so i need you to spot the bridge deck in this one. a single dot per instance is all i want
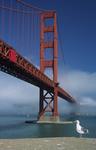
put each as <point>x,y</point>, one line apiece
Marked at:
<point>14,64</point>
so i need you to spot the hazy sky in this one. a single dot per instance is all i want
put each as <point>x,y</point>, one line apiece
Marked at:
<point>77,25</point>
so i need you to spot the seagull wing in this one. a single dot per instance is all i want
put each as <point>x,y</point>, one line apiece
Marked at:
<point>84,129</point>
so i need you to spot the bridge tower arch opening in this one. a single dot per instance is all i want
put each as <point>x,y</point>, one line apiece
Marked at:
<point>48,100</point>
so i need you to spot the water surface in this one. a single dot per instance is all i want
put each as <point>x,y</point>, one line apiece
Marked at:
<point>12,127</point>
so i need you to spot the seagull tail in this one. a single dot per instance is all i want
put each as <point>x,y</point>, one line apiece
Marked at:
<point>86,131</point>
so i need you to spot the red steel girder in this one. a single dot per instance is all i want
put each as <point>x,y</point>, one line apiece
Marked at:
<point>49,29</point>
<point>26,71</point>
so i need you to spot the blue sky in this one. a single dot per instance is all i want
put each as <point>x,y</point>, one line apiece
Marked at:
<point>77,25</point>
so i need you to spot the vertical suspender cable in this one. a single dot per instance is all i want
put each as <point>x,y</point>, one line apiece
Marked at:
<point>9,35</point>
<point>37,40</point>
<point>22,31</point>
<point>17,26</point>
<point>2,19</point>
<point>28,51</point>
<point>31,33</point>
<point>35,28</point>
<point>32,27</point>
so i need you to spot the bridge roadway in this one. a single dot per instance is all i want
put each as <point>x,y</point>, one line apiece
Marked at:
<point>14,64</point>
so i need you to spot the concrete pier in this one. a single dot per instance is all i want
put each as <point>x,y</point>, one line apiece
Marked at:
<point>49,119</point>
<point>52,120</point>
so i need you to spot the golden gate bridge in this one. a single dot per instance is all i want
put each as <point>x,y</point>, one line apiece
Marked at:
<point>24,26</point>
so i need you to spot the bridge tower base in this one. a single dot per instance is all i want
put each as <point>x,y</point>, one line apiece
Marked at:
<point>48,100</point>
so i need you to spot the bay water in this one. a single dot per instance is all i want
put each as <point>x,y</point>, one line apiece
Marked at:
<point>13,127</point>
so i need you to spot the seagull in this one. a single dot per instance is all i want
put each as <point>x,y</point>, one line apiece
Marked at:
<point>80,129</point>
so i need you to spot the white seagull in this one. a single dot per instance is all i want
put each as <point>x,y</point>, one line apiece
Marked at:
<point>80,129</point>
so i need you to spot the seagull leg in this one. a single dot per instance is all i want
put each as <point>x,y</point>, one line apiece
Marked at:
<point>80,135</point>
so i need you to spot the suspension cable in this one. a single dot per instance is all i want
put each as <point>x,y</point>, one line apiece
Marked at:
<point>15,10</point>
<point>61,44</point>
<point>32,6</point>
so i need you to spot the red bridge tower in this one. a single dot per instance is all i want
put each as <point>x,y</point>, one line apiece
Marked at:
<point>49,100</point>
